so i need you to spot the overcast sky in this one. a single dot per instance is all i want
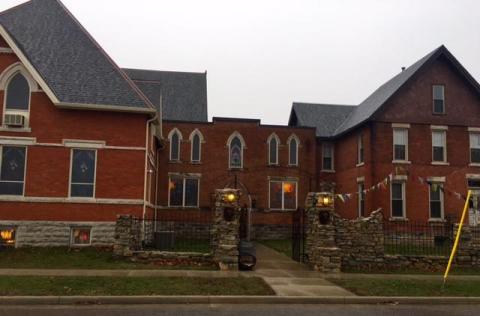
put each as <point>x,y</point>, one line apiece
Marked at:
<point>263,54</point>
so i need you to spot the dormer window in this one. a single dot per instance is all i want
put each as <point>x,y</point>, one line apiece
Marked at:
<point>438,99</point>
<point>17,101</point>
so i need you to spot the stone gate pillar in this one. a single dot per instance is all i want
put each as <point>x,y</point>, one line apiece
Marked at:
<point>226,228</point>
<point>321,248</point>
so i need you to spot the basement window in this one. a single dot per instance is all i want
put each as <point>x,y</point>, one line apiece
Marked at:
<point>7,236</point>
<point>81,236</point>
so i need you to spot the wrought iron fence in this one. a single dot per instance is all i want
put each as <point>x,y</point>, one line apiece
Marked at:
<point>407,238</point>
<point>179,231</point>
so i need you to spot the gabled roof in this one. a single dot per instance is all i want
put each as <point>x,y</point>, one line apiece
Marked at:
<point>70,66</point>
<point>326,118</point>
<point>183,94</point>
<point>333,121</point>
<point>377,99</point>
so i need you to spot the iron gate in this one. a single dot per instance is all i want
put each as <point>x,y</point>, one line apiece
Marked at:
<point>298,236</point>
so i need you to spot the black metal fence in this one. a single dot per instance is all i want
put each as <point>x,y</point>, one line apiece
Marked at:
<point>407,238</point>
<point>298,236</point>
<point>180,231</point>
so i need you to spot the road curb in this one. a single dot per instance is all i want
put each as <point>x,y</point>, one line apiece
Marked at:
<point>146,300</point>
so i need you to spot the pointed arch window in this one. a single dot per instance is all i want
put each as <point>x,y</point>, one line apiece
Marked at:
<point>17,93</point>
<point>293,144</point>
<point>175,138</point>
<point>235,147</point>
<point>196,140</point>
<point>273,143</point>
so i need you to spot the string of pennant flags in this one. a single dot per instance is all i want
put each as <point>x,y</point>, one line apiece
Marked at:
<point>383,185</point>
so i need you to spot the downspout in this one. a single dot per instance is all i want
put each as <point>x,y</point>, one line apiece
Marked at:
<point>145,182</point>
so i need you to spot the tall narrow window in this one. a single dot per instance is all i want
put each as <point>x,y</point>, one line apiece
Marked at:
<point>235,152</point>
<point>475,148</point>
<point>283,195</point>
<point>400,144</point>
<point>360,150</point>
<point>361,199</point>
<point>175,139</point>
<point>438,99</point>
<point>327,157</point>
<point>12,176</point>
<point>273,143</point>
<point>83,173</point>
<point>398,199</point>
<point>18,93</point>
<point>183,191</point>
<point>436,201</point>
<point>439,146</point>
<point>196,142</point>
<point>293,143</point>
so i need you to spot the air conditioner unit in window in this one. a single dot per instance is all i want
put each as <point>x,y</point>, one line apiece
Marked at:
<point>14,120</point>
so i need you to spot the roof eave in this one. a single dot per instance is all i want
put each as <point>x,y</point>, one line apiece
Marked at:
<point>103,107</point>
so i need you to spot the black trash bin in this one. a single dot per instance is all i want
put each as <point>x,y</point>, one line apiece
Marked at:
<point>247,257</point>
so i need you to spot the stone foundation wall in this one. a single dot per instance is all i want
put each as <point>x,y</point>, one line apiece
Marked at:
<point>58,234</point>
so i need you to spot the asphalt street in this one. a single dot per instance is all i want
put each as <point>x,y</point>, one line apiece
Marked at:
<point>241,310</point>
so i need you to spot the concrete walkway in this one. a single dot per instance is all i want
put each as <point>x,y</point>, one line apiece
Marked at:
<point>290,278</point>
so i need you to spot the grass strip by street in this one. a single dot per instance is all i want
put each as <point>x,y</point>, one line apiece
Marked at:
<point>113,286</point>
<point>394,287</point>
<point>66,258</point>
<point>454,271</point>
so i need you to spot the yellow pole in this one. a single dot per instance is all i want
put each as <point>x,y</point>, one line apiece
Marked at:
<point>457,238</point>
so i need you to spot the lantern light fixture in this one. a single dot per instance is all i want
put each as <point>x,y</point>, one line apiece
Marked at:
<point>325,200</point>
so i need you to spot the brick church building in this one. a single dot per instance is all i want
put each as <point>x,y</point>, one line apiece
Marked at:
<point>83,140</point>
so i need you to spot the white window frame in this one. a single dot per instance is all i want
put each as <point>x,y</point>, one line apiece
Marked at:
<point>442,201</point>
<point>184,181</point>
<point>283,194</point>
<point>5,77</point>
<point>332,147</point>
<point>473,133</point>
<point>269,140</point>
<point>242,150</point>
<point>361,197</point>
<point>25,166</point>
<point>443,98</point>
<point>360,151</point>
<point>404,198</point>
<point>404,130</point>
<point>196,132</point>
<point>180,139</point>
<point>72,239</point>
<point>293,136</point>
<point>445,158</point>
<point>94,175</point>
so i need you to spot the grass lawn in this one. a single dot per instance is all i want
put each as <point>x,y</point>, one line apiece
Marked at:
<point>281,245</point>
<point>69,286</point>
<point>417,250</point>
<point>66,258</point>
<point>383,287</point>
<point>453,271</point>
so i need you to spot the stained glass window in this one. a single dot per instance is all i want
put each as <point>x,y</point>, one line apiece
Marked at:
<point>83,173</point>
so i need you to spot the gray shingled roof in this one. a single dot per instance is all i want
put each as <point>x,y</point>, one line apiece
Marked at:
<point>72,64</point>
<point>326,118</point>
<point>184,94</point>
<point>328,124</point>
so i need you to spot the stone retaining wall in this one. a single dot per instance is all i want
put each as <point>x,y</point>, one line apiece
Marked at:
<point>58,234</point>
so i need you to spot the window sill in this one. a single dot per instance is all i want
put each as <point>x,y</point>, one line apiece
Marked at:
<point>80,199</point>
<point>437,220</point>
<point>179,207</point>
<point>292,166</point>
<point>440,163</point>
<point>235,169</point>
<point>195,162</point>
<point>175,161</point>
<point>398,219</point>
<point>273,165</point>
<point>272,210</point>
<point>403,162</point>
<point>474,164</point>
<point>327,171</point>
<point>360,164</point>
<point>4,128</point>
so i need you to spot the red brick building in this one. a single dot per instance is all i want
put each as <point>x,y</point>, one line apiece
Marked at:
<point>82,141</point>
